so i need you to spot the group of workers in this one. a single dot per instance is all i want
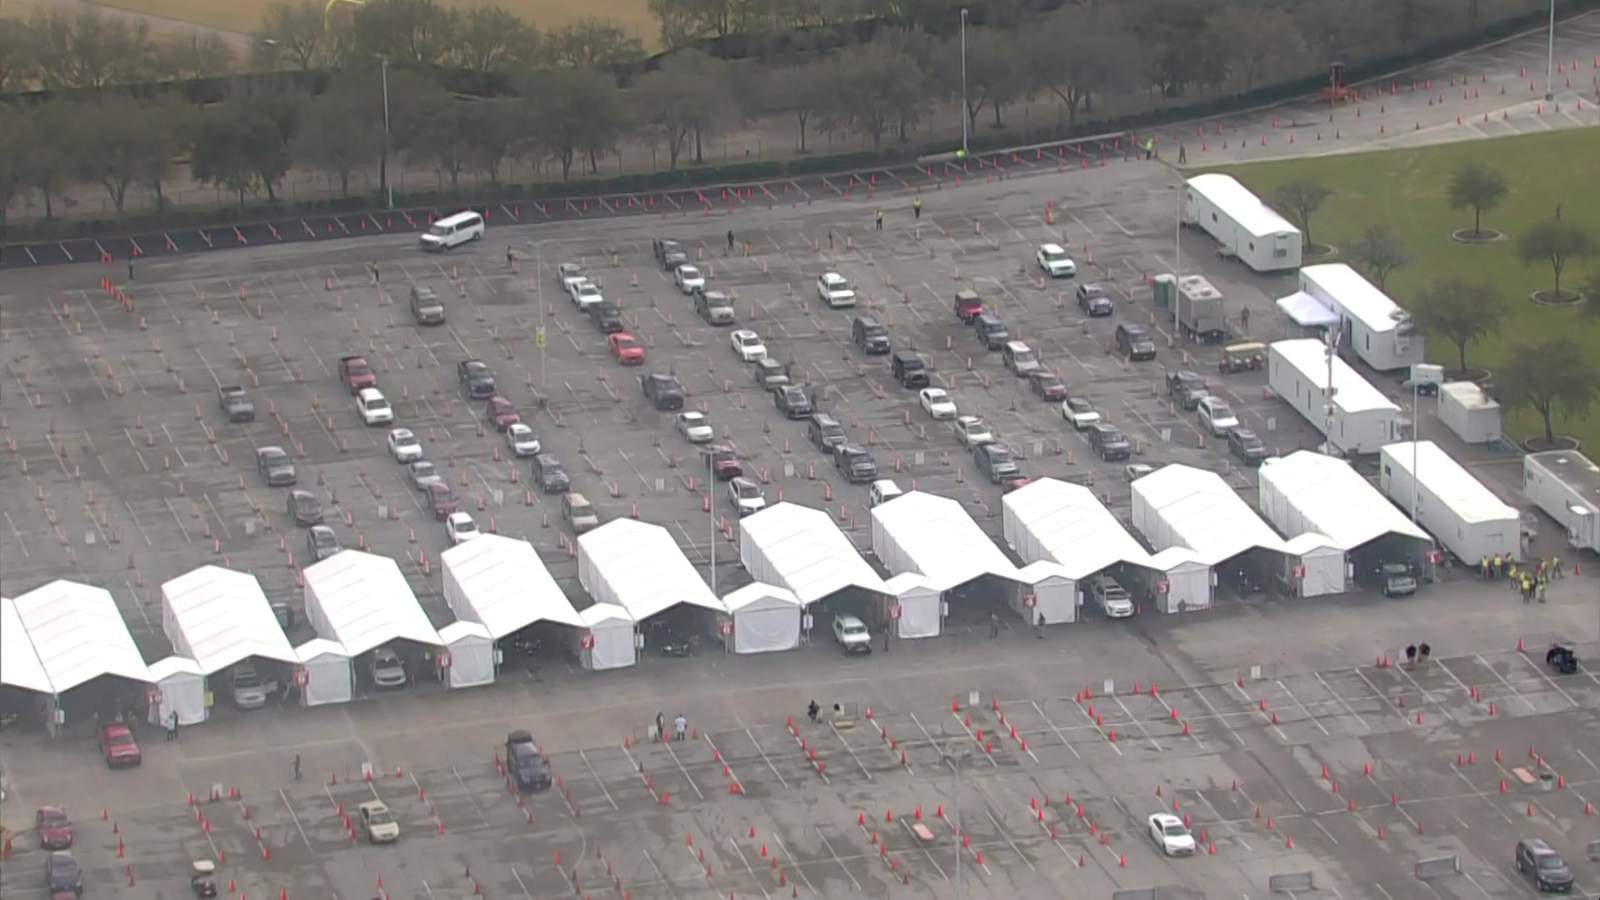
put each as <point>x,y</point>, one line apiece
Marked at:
<point>1530,580</point>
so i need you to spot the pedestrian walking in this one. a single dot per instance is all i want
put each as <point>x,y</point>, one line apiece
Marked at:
<point>661,727</point>
<point>811,711</point>
<point>1183,154</point>
<point>1555,566</point>
<point>916,208</point>
<point>680,727</point>
<point>1039,633</point>
<point>830,240</point>
<point>877,218</point>
<point>511,261</point>
<point>994,625</point>
<point>1483,567</point>
<point>1244,320</point>
<point>730,240</point>
<point>1539,589</point>
<point>297,767</point>
<point>130,268</point>
<point>1496,567</point>
<point>172,726</point>
<point>376,278</point>
<point>886,639</point>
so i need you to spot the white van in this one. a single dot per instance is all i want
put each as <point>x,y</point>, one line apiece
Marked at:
<point>452,231</point>
<point>1111,597</point>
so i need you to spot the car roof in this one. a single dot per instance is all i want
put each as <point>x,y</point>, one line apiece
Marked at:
<point>270,450</point>
<point>546,459</point>
<point>370,394</point>
<point>1015,346</point>
<point>1051,248</point>
<point>832,276</point>
<point>402,432</point>
<point>1164,819</point>
<point>849,620</point>
<point>458,517</point>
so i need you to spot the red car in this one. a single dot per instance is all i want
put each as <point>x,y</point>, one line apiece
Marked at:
<point>119,747</point>
<point>55,829</point>
<point>1047,385</point>
<point>1011,484</point>
<point>626,348</point>
<point>357,374</point>
<point>724,462</point>
<point>441,500</point>
<point>501,413</point>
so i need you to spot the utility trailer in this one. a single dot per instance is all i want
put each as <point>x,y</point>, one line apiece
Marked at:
<point>1566,485</point>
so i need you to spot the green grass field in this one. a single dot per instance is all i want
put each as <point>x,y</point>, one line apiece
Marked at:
<point>1408,191</point>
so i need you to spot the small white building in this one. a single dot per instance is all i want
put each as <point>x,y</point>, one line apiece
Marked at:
<point>1374,327</point>
<point>1353,415</point>
<point>1466,409</point>
<point>1179,506</point>
<point>468,658</point>
<point>918,608</point>
<point>1463,515</point>
<point>1242,225</point>
<point>606,639</point>
<point>762,618</point>
<point>182,688</point>
<point>326,672</point>
<point>803,551</point>
<point>1566,485</point>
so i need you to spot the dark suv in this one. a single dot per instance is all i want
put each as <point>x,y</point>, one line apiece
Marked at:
<point>525,764</point>
<point>792,400</point>
<point>1243,443</point>
<point>992,332</point>
<point>663,391</point>
<point>669,254</point>
<point>476,378</point>
<point>607,317</point>
<point>550,474</point>
<point>824,432</point>
<point>910,369</point>
<point>1108,442</point>
<point>1093,300</point>
<point>1538,862</point>
<point>870,335</point>
<point>1134,342</point>
<point>855,462</point>
<point>996,462</point>
<point>1186,387</point>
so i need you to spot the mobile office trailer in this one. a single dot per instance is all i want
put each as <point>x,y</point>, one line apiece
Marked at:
<point>1464,516</point>
<point>1200,312</point>
<point>1242,225</point>
<point>1470,412</point>
<point>1374,327</point>
<point>1354,416</point>
<point>1566,485</point>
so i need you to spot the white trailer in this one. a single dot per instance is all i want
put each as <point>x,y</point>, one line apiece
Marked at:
<point>1242,225</point>
<point>1465,517</point>
<point>1470,412</point>
<point>1566,485</point>
<point>1200,310</point>
<point>1374,327</point>
<point>1354,416</point>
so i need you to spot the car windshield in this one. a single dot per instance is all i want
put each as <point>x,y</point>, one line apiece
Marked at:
<point>405,440</point>
<point>358,367</point>
<point>438,231</point>
<point>273,456</point>
<point>246,678</point>
<point>52,818</point>
<point>690,272</point>
<point>1137,334</point>
<point>1548,861</point>
<point>1054,254</point>
<point>747,491</point>
<point>441,492</point>
<point>323,538</point>
<point>1111,436</point>
<point>838,284</point>
<point>65,867</point>
<point>853,629</point>
<point>627,343</point>
<point>749,340</point>
<point>1221,411</point>
<point>1023,356</point>
<point>998,454</point>
<point>1396,569</point>
<point>385,658</point>
<point>465,526</point>
<point>422,469</point>
<point>693,419</point>
<point>1078,404</point>
<point>379,403</point>
<point>1248,439</point>
<point>1176,829</point>
<point>380,817</point>
<point>120,739</point>
<point>476,370</point>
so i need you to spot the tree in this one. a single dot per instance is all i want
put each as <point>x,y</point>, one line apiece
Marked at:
<point>17,137</point>
<point>995,72</point>
<point>1260,38</point>
<point>1078,53</point>
<point>88,49</point>
<point>1459,311</point>
<point>221,155</point>
<point>194,54</point>
<point>439,142</point>
<point>116,144</point>
<point>675,101</point>
<point>490,39</point>
<point>1553,374</point>
<point>420,32</point>
<point>1478,187</point>
<point>342,131</point>
<point>684,22</point>
<point>869,85</point>
<point>799,91</point>
<point>244,146</point>
<point>170,123</point>
<point>1555,242</point>
<point>46,168</point>
<point>593,43</point>
<point>295,31</point>
<point>1302,199</point>
<point>1380,252</point>
<point>18,63</point>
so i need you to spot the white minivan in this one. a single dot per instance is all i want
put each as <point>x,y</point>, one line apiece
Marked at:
<point>452,231</point>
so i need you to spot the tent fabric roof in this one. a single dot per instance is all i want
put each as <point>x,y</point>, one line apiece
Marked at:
<point>502,584</point>
<point>1071,527</point>
<point>640,567</point>
<point>1449,481</point>
<point>457,630</point>
<point>603,612</point>
<point>19,662</point>
<point>79,635</point>
<point>222,617</point>
<point>316,647</point>
<point>758,594</point>
<point>1322,494</point>
<point>1307,311</point>
<point>1193,508</point>
<point>1359,298</point>
<point>1351,392</point>
<point>936,538</point>
<point>801,549</point>
<point>162,669</point>
<point>1241,205</point>
<point>1302,544</point>
<point>365,602</point>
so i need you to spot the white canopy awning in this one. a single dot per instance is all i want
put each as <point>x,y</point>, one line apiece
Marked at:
<point>758,596</point>
<point>1307,311</point>
<point>1181,506</point>
<point>217,617</point>
<point>318,647</point>
<point>79,635</point>
<point>935,537</point>
<point>19,663</point>
<point>503,585</point>
<point>459,631</point>
<point>363,601</point>
<point>800,548</point>
<point>1312,492</point>
<point>640,567</point>
<point>1066,524</point>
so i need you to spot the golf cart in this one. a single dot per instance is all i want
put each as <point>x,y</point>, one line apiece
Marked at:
<point>203,881</point>
<point>1246,357</point>
<point>1562,658</point>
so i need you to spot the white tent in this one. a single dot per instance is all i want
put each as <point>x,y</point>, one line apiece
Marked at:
<point>1316,565</point>
<point>607,638</point>
<point>802,549</point>
<point>1185,581</point>
<point>1065,524</point>
<point>639,567</point>
<point>503,585</point>
<point>79,635</point>
<point>934,537</point>
<point>1181,506</point>
<point>19,663</point>
<point>766,618</point>
<point>327,670</point>
<point>183,690</point>
<point>218,617</point>
<point>471,652</point>
<point>919,605</point>
<point>1051,594</point>
<point>363,601</point>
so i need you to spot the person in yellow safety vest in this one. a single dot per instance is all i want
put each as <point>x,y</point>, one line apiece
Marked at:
<point>1483,566</point>
<point>1496,569</point>
<point>1149,148</point>
<point>916,208</point>
<point>877,218</point>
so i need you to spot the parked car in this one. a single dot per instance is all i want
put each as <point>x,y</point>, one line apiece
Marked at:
<point>118,747</point>
<point>1170,835</point>
<point>769,373</point>
<point>1047,385</point>
<point>426,307</point>
<point>971,431</point>
<point>441,500</point>
<point>606,317</point>
<point>835,292</point>
<point>569,273</point>
<point>669,254</point>
<point>476,378</point>
<point>855,462</point>
<point>968,305</point>
<point>1243,443</point>
<point>1186,388</point>
<point>663,391</point>
<point>378,823</point>
<point>422,473</point>
<point>322,542</point>
<point>521,439</point>
<point>625,348</point>
<point>824,432</point>
<point>747,345</point>
<point>275,466</point>
<point>1080,412</point>
<point>882,491</point>
<point>404,446</point>
<point>356,374</point>
<point>1215,416</point>
<point>1108,442</point>
<point>1019,358</point>
<point>525,764</point>
<point>723,461</point>
<point>1094,300</point>
<point>936,403</point>
<point>792,400</point>
<point>852,634</point>
<point>249,689</point>
<point>387,669</point>
<point>1540,864</point>
<point>714,308</point>
<point>869,335</point>
<point>1111,597</point>
<point>909,369</point>
<point>746,496</point>
<point>579,512</point>
<point>694,426</point>
<point>550,475</point>
<point>1397,579</point>
<point>236,403</point>
<point>585,294</point>
<point>459,527</point>
<point>1055,262</point>
<point>991,331</point>
<point>374,408</point>
<point>1135,342</point>
<point>53,828</point>
<point>996,461</point>
<point>62,874</point>
<point>688,279</point>
<point>501,413</point>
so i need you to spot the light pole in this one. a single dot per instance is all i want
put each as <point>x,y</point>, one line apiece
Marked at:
<point>1550,58</point>
<point>955,762</point>
<point>711,513</point>
<point>964,116</point>
<point>383,169</point>
<point>1177,263</point>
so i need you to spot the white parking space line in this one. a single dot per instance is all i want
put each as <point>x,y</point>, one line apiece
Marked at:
<point>1343,702</point>
<point>827,845</point>
<point>799,867</point>
<point>597,779</point>
<point>851,750</point>
<point>1548,680</point>
<point>1315,720</point>
<point>295,817</point>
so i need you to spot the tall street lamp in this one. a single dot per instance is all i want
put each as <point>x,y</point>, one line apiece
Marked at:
<point>956,761</point>
<point>964,116</point>
<point>1550,58</point>
<point>383,167</point>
